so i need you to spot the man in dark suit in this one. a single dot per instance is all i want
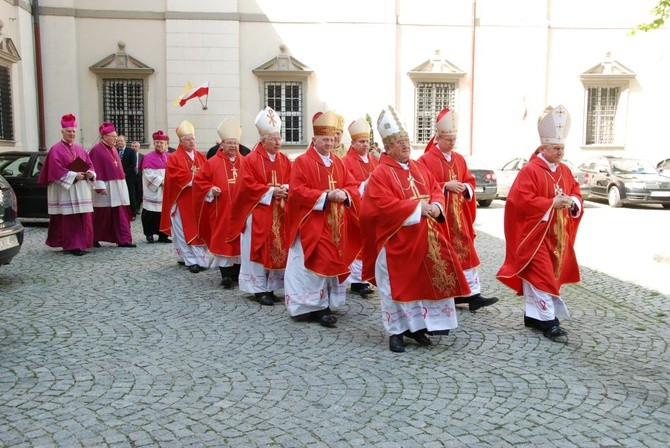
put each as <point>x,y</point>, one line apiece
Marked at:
<point>138,177</point>
<point>129,162</point>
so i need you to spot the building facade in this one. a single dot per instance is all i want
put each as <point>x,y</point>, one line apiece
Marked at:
<point>497,63</point>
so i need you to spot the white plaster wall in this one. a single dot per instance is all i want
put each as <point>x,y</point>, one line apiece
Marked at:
<point>201,5</point>
<point>360,52</point>
<point>61,76</point>
<point>144,40</point>
<point>17,26</point>
<point>202,51</point>
<point>118,5</point>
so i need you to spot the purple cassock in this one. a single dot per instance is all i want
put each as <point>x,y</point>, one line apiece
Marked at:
<point>69,201</point>
<point>111,217</point>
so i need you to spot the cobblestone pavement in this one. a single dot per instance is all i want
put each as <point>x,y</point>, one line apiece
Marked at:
<point>124,348</point>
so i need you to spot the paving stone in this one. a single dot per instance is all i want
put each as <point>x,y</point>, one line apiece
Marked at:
<point>124,348</point>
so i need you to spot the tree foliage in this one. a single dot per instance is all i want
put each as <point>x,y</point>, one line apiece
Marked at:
<point>661,12</point>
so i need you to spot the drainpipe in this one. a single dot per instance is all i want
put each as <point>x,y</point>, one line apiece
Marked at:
<point>38,69</point>
<point>475,24</point>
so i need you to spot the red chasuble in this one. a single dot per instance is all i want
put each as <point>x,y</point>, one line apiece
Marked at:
<point>269,241</point>
<point>422,264</point>
<point>460,212</point>
<point>357,167</point>
<point>540,252</point>
<point>330,238</point>
<point>179,174</point>
<point>214,217</point>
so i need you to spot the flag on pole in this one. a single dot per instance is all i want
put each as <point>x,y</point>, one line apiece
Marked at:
<point>184,91</point>
<point>201,90</point>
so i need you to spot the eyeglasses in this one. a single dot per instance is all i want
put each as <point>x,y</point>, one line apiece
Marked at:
<point>401,142</point>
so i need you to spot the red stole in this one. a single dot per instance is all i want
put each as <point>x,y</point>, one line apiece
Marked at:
<point>269,241</point>
<point>179,175</point>
<point>541,252</point>
<point>330,238</point>
<point>422,264</point>
<point>213,217</point>
<point>460,213</point>
<point>357,167</point>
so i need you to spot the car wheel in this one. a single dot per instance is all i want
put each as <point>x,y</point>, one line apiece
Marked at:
<point>485,203</point>
<point>614,197</point>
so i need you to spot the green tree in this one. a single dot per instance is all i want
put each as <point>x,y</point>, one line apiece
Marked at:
<point>660,12</point>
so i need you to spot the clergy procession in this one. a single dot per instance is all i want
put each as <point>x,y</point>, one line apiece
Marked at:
<point>335,219</point>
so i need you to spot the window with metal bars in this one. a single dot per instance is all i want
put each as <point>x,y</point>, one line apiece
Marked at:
<point>6,113</point>
<point>600,114</point>
<point>431,98</point>
<point>123,105</point>
<point>286,99</point>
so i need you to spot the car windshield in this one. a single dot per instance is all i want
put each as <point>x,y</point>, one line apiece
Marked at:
<point>569,164</point>
<point>6,159</point>
<point>632,166</point>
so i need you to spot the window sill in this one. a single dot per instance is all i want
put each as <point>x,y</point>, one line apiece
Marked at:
<point>603,147</point>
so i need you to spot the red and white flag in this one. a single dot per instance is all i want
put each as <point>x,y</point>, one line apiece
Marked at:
<point>201,90</point>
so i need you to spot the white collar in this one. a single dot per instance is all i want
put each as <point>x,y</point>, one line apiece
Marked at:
<point>552,166</point>
<point>326,159</point>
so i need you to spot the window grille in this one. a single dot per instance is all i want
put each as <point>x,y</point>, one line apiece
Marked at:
<point>286,99</point>
<point>123,105</point>
<point>431,98</point>
<point>601,112</point>
<point>6,113</point>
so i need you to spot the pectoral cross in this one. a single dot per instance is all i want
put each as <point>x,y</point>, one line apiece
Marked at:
<point>194,168</point>
<point>558,190</point>
<point>234,170</point>
<point>332,183</point>
<point>415,191</point>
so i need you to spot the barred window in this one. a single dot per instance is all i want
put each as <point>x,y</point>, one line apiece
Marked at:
<point>123,105</point>
<point>6,113</point>
<point>431,98</point>
<point>286,99</point>
<point>600,114</point>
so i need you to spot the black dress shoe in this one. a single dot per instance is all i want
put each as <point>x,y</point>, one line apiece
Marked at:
<point>396,344</point>
<point>181,263</point>
<point>265,298</point>
<point>419,336</point>
<point>554,332</point>
<point>164,240</point>
<point>362,289</point>
<point>150,239</point>
<point>277,298</point>
<point>127,245</point>
<point>76,252</point>
<point>194,268</point>
<point>477,301</point>
<point>327,320</point>
<point>227,282</point>
<point>96,244</point>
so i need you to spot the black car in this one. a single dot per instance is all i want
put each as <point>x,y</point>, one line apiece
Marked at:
<point>21,169</point>
<point>486,186</point>
<point>626,181</point>
<point>11,230</point>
